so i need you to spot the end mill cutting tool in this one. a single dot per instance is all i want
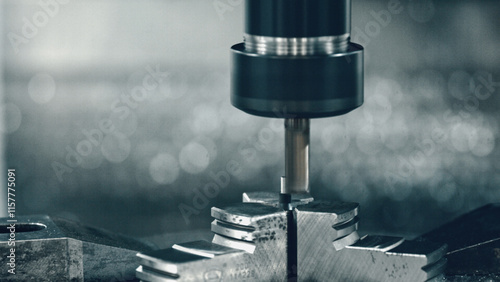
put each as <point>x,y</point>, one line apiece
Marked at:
<point>296,63</point>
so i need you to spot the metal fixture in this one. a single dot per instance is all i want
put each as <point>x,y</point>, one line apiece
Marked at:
<point>250,243</point>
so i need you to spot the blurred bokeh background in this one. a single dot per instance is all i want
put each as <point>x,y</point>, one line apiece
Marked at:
<point>116,113</point>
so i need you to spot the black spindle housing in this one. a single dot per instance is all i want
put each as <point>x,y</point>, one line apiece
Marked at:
<point>310,85</point>
<point>297,18</point>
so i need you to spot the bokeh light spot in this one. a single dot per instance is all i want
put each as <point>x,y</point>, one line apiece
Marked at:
<point>125,123</point>
<point>378,109</point>
<point>93,160</point>
<point>389,88</point>
<point>395,134</point>
<point>115,147</point>
<point>485,143</point>
<point>369,140</point>
<point>194,158</point>
<point>164,169</point>
<point>173,87</point>
<point>209,145</point>
<point>335,138</point>
<point>206,119</point>
<point>463,137</point>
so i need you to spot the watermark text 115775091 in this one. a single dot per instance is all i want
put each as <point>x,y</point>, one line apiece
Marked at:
<point>11,209</point>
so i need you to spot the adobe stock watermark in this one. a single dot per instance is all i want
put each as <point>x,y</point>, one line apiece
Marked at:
<point>48,9</point>
<point>247,150</point>
<point>203,195</point>
<point>420,11</point>
<point>372,29</point>
<point>381,19</point>
<point>484,88</point>
<point>221,7</point>
<point>123,107</point>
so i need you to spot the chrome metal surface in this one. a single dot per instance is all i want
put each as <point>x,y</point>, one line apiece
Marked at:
<point>233,231</point>
<point>297,133</point>
<point>343,242</point>
<point>327,257</point>
<point>250,244</point>
<point>272,199</point>
<point>146,274</point>
<point>203,249</point>
<point>246,214</point>
<point>248,247</point>
<point>296,46</point>
<point>344,229</point>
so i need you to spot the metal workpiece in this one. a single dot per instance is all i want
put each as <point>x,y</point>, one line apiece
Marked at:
<point>473,243</point>
<point>55,249</point>
<point>272,199</point>
<point>337,223</point>
<point>245,214</point>
<point>383,258</point>
<point>194,261</point>
<point>249,244</point>
<point>249,222</point>
<point>252,243</point>
<point>340,255</point>
<point>296,180</point>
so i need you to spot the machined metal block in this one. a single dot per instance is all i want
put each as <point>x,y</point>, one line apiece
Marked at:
<point>54,249</point>
<point>249,245</point>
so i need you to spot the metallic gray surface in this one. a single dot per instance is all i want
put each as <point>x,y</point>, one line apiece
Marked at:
<point>250,244</point>
<point>245,214</point>
<point>272,199</point>
<point>475,252</point>
<point>296,46</point>
<point>371,258</point>
<point>297,133</point>
<point>203,248</point>
<point>68,251</point>
<point>145,274</point>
